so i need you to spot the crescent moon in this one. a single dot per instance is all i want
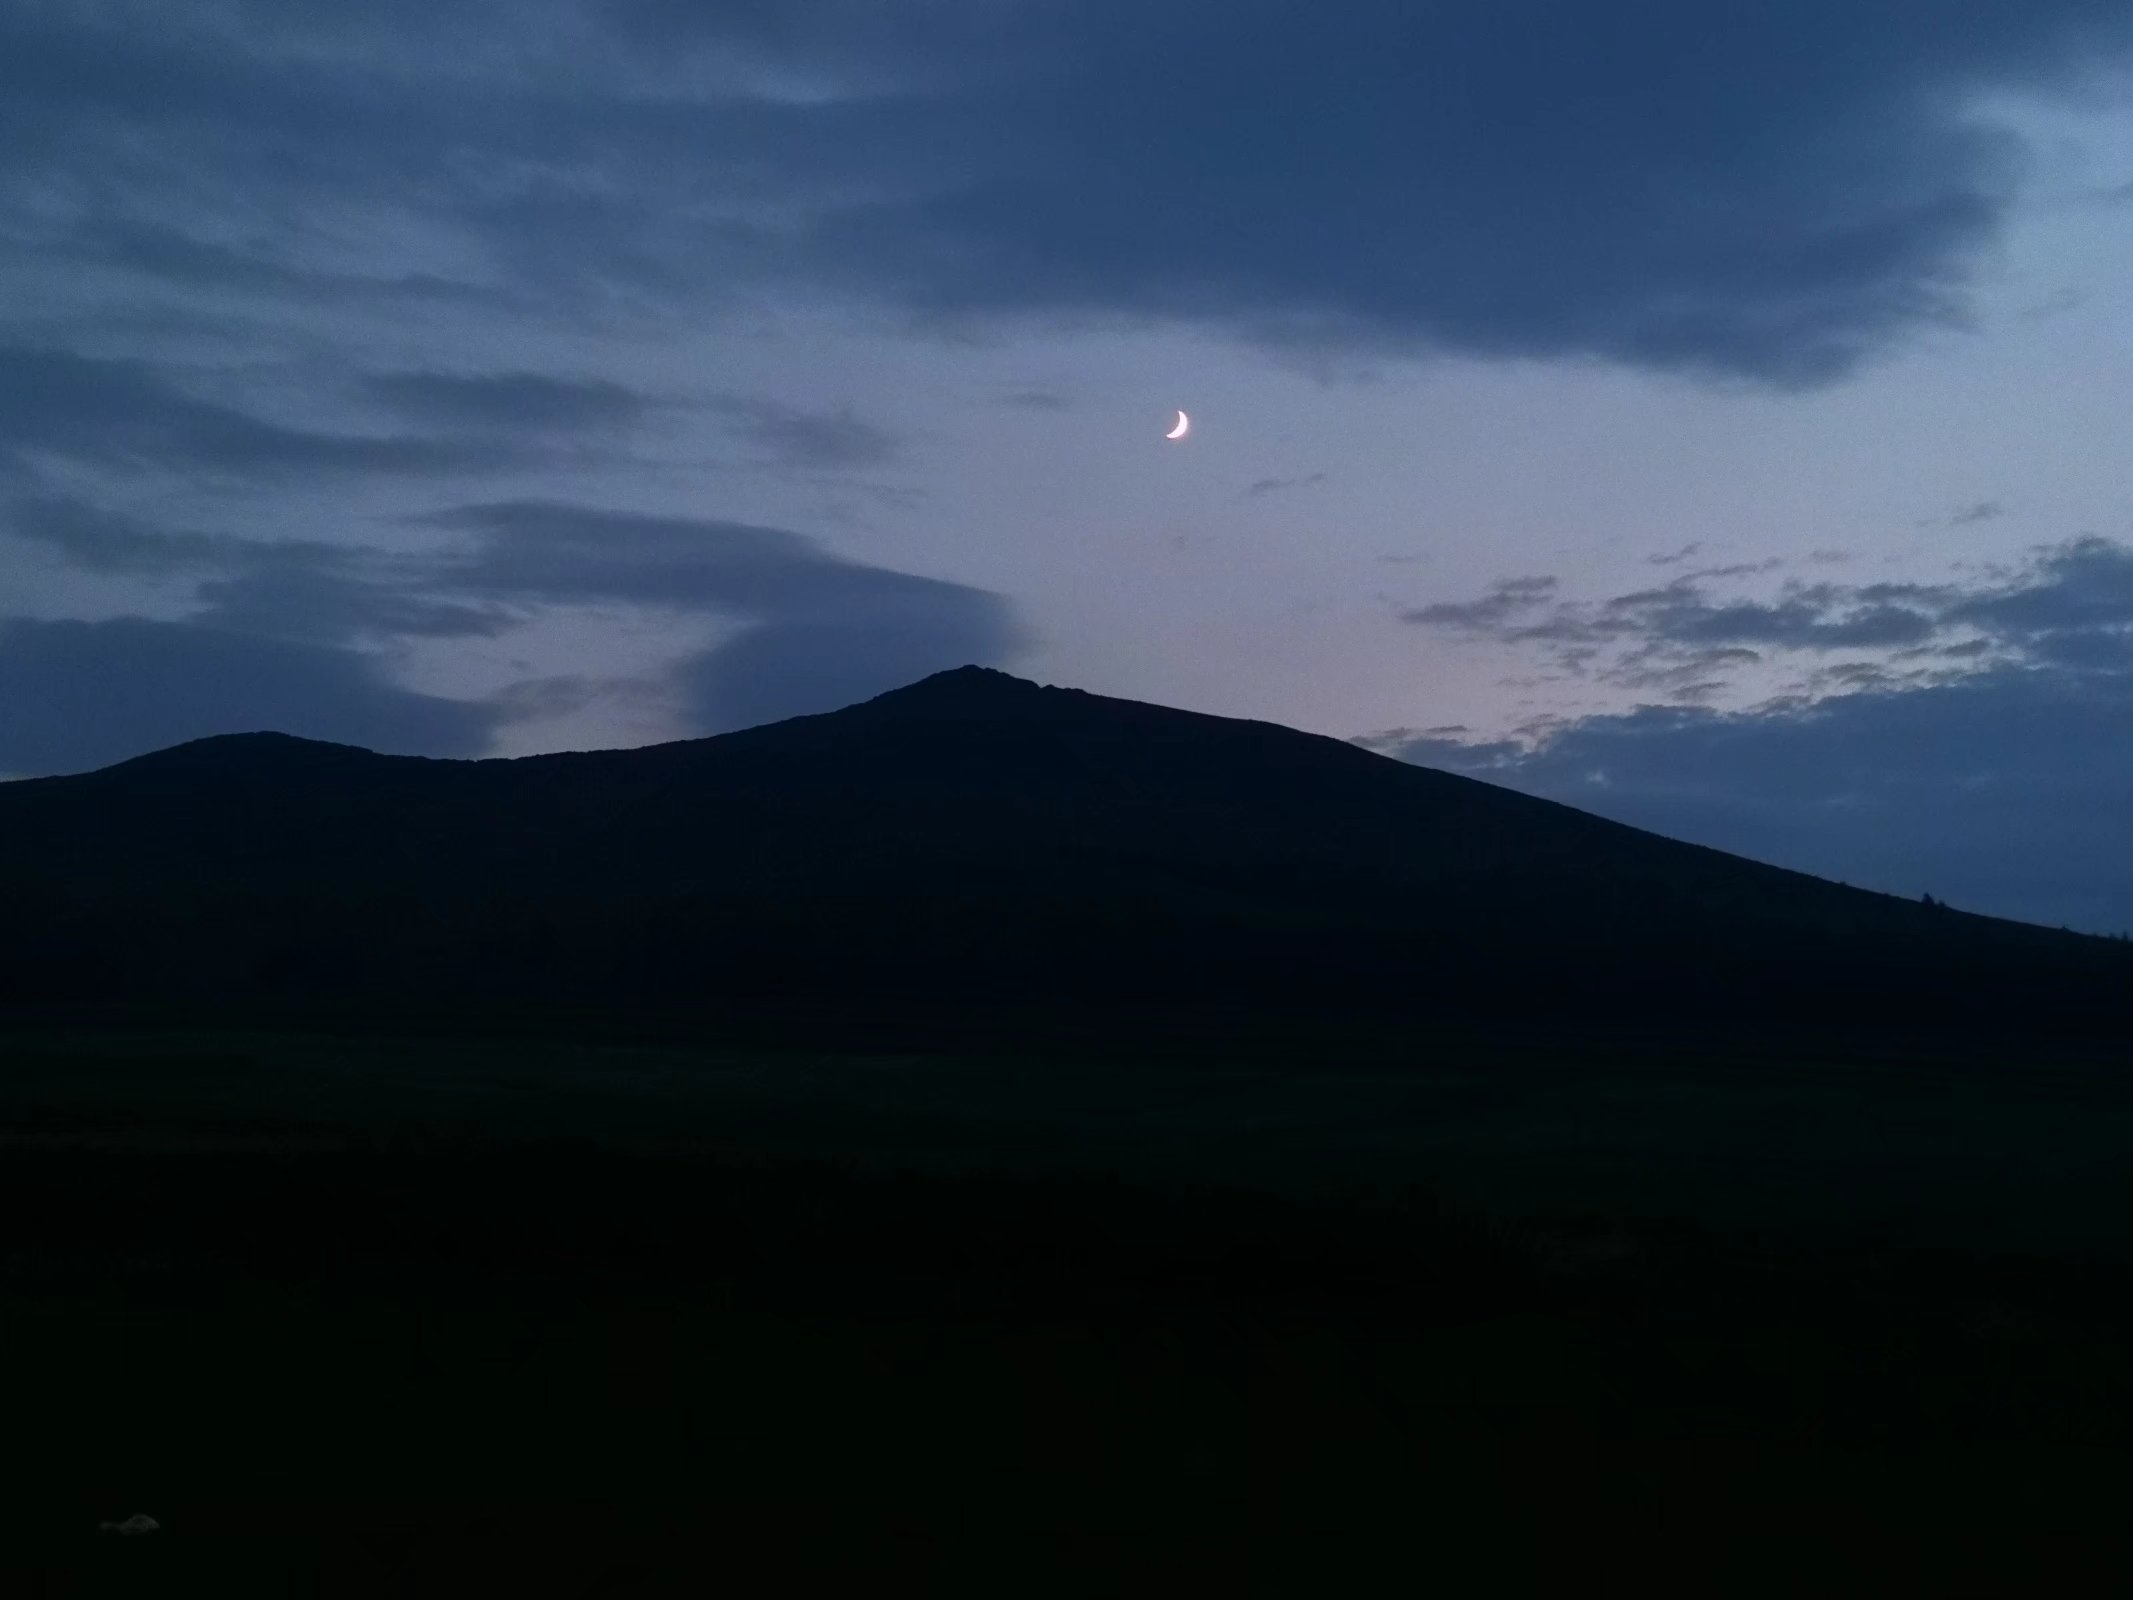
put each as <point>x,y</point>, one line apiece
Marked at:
<point>1183,428</point>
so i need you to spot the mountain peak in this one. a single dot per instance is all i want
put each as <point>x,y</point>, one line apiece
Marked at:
<point>965,680</point>
<point>241,751</point>
<point>970,691</point>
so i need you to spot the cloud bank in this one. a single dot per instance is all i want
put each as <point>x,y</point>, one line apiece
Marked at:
<point>1762,193</point>
<point>316,623</point>
<point>1976,752</point>
<point>82,695</point>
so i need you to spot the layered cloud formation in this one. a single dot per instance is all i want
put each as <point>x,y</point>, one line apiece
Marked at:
<point>1964,740</point>
<point>287,635</point>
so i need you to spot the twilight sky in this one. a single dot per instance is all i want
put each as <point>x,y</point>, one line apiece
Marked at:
<point>1713,416</point>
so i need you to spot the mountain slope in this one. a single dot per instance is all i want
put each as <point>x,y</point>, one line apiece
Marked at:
<point>972,839</point>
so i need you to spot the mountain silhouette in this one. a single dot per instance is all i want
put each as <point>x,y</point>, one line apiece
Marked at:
<point>971,841</point>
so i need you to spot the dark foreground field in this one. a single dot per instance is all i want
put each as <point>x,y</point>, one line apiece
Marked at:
<point>368,1317</point>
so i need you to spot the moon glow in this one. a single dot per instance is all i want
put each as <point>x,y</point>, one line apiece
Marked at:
<point>1183,428</point>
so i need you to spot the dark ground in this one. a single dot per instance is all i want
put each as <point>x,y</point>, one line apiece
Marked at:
<point>371,1316</point>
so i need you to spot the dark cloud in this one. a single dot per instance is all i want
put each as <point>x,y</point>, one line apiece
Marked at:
<point>168,253</point>
<point>82,695</point>
<point>1681,675</point>
<point>1760,191</point>
<point>1674,557</point>
<point>554,551</point>
<point>126,414</point>
<point>1800,623</point>
<point>2086,584</point>
<point>506,401</point>
<point>1775,193</point>
<point>790,600</point>
<point>2002,793</point>
<point>98,540</point>
<point>1982,511</point>
<point>298,589</point>
<point>816,631</point>
<point>342,601</point>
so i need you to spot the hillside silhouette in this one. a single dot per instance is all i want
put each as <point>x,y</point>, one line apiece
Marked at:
<point>972,843</point>
<point>1273,1136</point>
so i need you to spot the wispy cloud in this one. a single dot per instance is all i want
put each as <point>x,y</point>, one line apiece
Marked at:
<point>2068,606</point>
<point>1509,598</point>
<point>298,589</point>
<point>121,414</point>
<point>506,401</point>
<point>1262,486</point>
<point>793,436</point>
